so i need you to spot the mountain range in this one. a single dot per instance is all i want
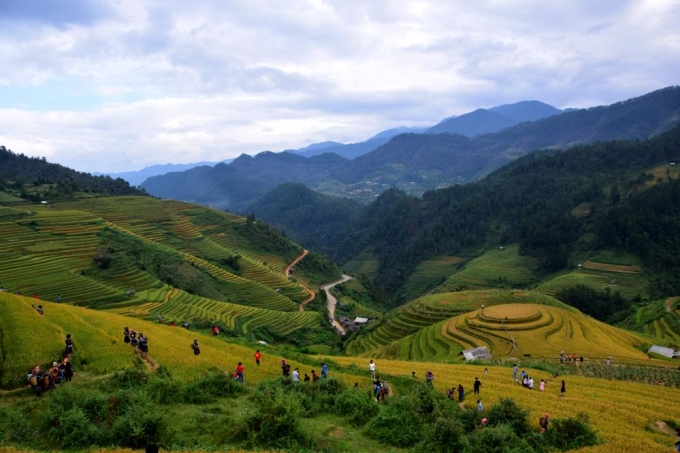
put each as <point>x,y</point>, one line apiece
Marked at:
<point>419,162</point>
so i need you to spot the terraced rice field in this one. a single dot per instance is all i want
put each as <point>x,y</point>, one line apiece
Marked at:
<point>515,330</point>
<point>657,321</point>
<point>495,269</point>
<point>624,279</point>
<point>621,412</point>
<point>30,339</point>
<point>365,263</point>
<point>428,310</point>
<point>429,274</point>
<point>49,251</point>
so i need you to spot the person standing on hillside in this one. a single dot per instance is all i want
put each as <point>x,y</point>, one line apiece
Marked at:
<point>515,369</point>
<point>429,378</point>
<point>239,372</point>
<point>69,346</point>
<point>480,406</point>
<point>296,375</point>
<point>68,370</point>
<point>258,357</point>
<point>461,393</point>
<point>563,388</point>
<point>544,422</point>
<point>541,386</point>
<point>371,368</point>
<point>160,318</point>
<point>195,346</point>
<point>134,342</point>
<point>476,386</point>
<point>143,344</point>
<point>126,335</point>
<point>58,298</point>
<point>324,371</point>
<point>284,368</point>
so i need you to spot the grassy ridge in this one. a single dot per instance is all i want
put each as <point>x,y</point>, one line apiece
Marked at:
<point>622,278</point>
<point>656,321</point>
<point>429,274</point>
<point>494,269</point>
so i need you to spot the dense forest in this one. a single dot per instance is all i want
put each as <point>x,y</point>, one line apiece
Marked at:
<point>531,202</point>
<point>53,181</point>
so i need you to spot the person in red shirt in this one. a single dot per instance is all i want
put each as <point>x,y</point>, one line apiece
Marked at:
<point>238,374</point>
<point>258,357</point>
<point>315,377</point>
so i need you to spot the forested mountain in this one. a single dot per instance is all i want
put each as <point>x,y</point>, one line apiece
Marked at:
<point>484,121</point>
<point>419,162</point>
<point>317,220</point>
<point>243,181</point>
<point>532,202</point>
<point>36,179</point>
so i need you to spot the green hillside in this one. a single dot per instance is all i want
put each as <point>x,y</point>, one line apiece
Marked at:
<point>185,262</point>
<point>659,319</point>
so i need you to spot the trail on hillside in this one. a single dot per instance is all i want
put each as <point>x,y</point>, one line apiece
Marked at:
<point>332,301</point>
<point>312,294</point>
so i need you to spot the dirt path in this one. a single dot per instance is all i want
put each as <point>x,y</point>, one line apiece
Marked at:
<point>312,294</point>
<point>332,301</point>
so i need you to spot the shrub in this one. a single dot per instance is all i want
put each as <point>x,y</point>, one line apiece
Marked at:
<point>128,378</point>
<point>571,433</point>
<point>357,406</point>
<point>443,435</point>
<point>400,424</point>
<point>507,412</point>
<point>214,384</point>
<point>276,423</point>
<point>138,426</point>
<point>500,439</point>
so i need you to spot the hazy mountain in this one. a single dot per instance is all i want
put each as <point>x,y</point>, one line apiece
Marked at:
<point>246,179</point>
<point>526,111</point>
<point>483,121</point>
<point>137,177</point>
<point>420,162</point>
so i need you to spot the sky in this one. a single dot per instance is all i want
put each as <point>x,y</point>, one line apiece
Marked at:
<point>118,85</point>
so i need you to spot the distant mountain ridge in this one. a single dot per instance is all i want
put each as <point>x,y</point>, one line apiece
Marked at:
<point>416,163</point>
<point>137,177</point>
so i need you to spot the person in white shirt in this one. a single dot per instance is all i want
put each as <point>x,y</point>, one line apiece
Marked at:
<point>296,375</point>
<point>371,367</point>
<point>531,384</point>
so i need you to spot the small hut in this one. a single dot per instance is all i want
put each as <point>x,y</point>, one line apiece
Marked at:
<point>481,353</point>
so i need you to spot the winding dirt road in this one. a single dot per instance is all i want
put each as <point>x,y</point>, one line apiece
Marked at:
<point>332,301</point>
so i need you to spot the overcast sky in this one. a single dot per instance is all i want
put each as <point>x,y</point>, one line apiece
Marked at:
<point>119,85</point>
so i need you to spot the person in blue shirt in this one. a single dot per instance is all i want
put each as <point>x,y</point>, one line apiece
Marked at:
<point>324,371</point>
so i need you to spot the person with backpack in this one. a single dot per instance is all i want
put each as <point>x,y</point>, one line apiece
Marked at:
<point>306,377</point>
<point>324,371</point>
<point>126,335</point>
<point>69,345</point>
<point>315,377</point>
<point>143,344</point>
<point>195,346</point>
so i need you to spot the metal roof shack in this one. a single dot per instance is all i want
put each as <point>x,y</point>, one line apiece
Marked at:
<point>360,320</point>
<point>666,352</point>
<point>481,353</point>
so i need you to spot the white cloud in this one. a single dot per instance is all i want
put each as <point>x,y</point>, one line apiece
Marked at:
<point>177,81</point>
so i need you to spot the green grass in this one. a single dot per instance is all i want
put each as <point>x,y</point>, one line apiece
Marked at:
<point>7,197</point>
<point>365,263</point>
<point>629,283</point>
<point>654,320</point>
<point>429,274</point>
<point>494,269</point>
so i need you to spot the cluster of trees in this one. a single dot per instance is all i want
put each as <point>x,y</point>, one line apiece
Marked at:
<point>18,170</point>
